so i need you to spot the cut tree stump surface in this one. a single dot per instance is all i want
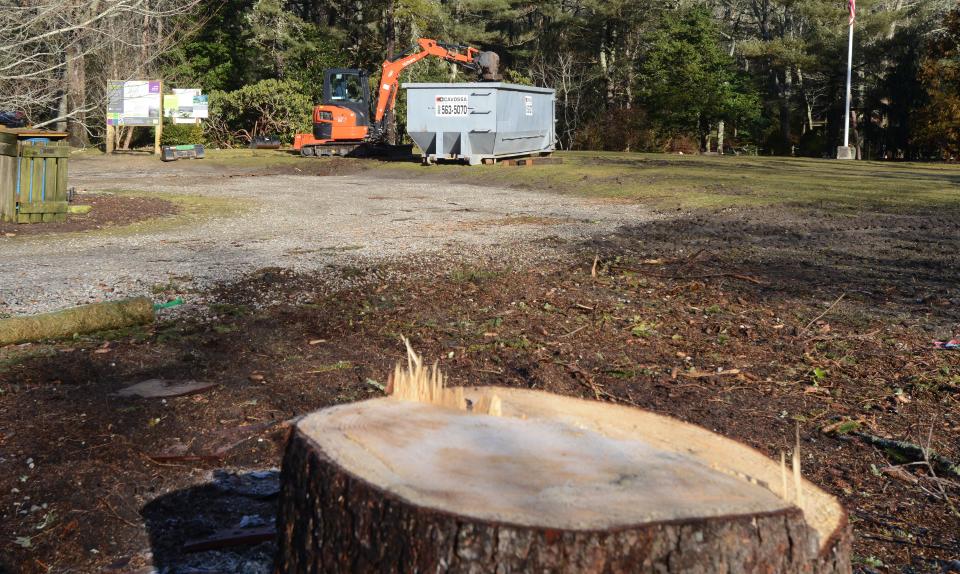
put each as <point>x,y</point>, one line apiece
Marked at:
<point>393,485</point>
<point>528,472</point>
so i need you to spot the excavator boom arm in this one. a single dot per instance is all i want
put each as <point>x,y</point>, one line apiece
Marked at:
<point>390,78</point>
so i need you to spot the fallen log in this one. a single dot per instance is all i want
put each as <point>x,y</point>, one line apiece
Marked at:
<point>76,320</point>
<point>508,480</point>
<point>907,452</point>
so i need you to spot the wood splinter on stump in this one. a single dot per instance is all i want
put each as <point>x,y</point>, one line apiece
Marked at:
<point>487,479</point>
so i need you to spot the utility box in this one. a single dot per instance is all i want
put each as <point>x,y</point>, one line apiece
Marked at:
<point>480,122</point>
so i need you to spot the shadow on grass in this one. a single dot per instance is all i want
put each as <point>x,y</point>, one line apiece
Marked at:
<point>911,259</point>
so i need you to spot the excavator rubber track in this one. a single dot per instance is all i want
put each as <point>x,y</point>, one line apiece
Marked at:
<point>331,150</point>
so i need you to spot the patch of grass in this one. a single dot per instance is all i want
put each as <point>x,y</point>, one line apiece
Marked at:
<point>160,288</point>
<point>17,356</point>
<point>241,157</point>
<point>338,366</point>
<point>643,329</point>
<point>230,310</point>
<point>468,274</point>
<point>192,210</point>
<point>710,182</point>
<point>515,342</point>
<point>137,333</point>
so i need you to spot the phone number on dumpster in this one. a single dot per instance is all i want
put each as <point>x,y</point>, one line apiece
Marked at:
<point>452,106</point>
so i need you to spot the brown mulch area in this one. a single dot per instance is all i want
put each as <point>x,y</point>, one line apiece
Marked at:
<point>109,210</point>
<point>752,344</point>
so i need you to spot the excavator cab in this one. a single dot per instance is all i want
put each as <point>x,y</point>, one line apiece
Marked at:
<point>345,112</point>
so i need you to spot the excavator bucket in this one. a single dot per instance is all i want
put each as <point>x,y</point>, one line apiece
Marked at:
<point>489,63</point>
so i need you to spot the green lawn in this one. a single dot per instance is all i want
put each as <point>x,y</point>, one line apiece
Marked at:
<point>670,181</point>
<point>673,181</point>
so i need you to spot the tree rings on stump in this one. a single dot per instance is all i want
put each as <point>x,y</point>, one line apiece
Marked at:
<point>554,484</point>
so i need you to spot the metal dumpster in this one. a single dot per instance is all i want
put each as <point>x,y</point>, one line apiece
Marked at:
<point>479,122</point>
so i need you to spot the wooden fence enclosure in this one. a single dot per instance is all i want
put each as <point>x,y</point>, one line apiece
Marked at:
<point>8,177</point>
<point>33,180</point>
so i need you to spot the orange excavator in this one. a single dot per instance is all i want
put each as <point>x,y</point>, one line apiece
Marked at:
<point>342,123</point>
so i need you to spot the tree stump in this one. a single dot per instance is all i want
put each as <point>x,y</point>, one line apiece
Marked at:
<point>553,484</point>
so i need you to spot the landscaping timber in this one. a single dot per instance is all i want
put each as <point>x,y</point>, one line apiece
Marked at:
<point>83,319</point>
<point>491,479</point>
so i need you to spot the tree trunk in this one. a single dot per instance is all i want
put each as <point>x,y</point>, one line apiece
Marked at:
<point>720,128</point>
<point>807,104</point>
<point>62,111</point>
<point>785,85</point>
<point>76,96</point>
<point>553,485</point>
<point>606,62</point>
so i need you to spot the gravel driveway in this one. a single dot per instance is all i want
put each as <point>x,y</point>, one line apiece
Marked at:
<point>291,221</point>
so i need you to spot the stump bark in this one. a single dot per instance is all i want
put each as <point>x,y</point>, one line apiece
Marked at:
<point>555,484</point>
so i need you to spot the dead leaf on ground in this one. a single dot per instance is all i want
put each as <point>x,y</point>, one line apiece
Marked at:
<point>162,388</point>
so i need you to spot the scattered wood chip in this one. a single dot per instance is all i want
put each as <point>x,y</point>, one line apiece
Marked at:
<point>695,374</point>
<point>841,427</point>
<point>379,386</point>
<point>162,388</point>
<point>317,341</point>
<point>899,473</point>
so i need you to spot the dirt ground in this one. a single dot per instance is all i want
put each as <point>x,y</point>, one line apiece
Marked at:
<point>106,210</point>
<point>749,321</point>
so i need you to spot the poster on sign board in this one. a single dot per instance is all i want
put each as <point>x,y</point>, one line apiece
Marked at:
<point>133,102</point>
<point>186,106</point>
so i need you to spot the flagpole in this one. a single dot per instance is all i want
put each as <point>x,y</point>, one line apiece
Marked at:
<point>843,152</point>
<point>846,110</point>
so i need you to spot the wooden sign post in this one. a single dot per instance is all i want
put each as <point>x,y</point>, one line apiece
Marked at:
<point>158,131</point>
<point>118,113</point>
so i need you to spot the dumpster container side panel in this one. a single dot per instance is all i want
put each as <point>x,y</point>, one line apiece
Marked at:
<point>480,120</point>
<point>451,143</point>
<point>483,143</point>
<point>524,123</point>
<point>426,141</point>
